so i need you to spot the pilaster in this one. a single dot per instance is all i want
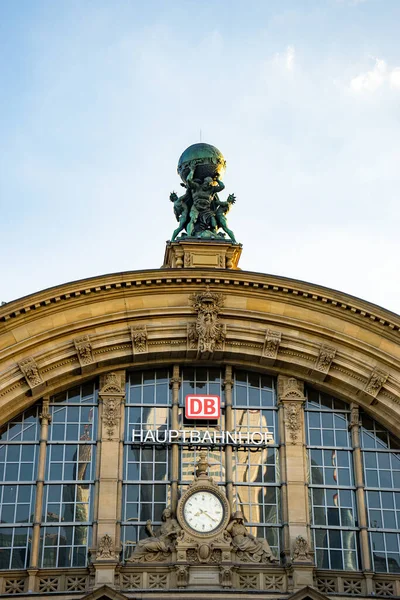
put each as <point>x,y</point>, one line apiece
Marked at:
<point>359,481</point>
<point>44,434</point>
<point>175,385</point>
<point>107,532</point>
<point>297,543</point>
<point>228,383</point>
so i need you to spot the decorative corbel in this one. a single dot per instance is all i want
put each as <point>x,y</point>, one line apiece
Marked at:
<point>374,384</point>
<point>139,340</point>
<point>31,372</point>
<point>271,346</point>
<point>84,351</point>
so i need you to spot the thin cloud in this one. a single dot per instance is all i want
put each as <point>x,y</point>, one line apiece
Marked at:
<point>376,77</point>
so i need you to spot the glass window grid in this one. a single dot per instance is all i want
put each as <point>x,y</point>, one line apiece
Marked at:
<point>381,465</point>
<point>18,461</point>
<point>189,456</point>
<point>149,387</point>
<point>260,467</point>
<point>331,486</point>
<point>18,473</point>
<point>207,381</point>
<point>70,471</point>
<point>248,420</point>
<point>17,504</point>
<point>15,547</point>
<point>64,546</point>
<point>385,548</point>
<point>336,549</point>
<point>67,503</point>
<point>253,390</point>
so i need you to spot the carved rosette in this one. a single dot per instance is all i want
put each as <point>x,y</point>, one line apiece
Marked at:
<point>207,334</point>
<point>31,372</point>
<point>375,382</point>
<point>111,394</point>
<point>271,344</point>
<point>325,358</point>
<point>84,350</point>
<point>139,340</point>
<point>301,550</point>
<point>106,550</point>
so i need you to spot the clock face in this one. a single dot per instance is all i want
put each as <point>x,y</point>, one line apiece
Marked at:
<point>203,511</point>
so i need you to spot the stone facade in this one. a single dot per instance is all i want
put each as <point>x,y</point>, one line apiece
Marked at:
<point>298,332</point>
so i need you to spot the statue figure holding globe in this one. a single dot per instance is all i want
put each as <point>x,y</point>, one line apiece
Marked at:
<point>200,211</point>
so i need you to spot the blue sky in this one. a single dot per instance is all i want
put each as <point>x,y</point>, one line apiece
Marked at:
<point>99,99</point>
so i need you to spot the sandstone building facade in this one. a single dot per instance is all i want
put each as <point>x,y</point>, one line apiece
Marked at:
<point>86,364</point>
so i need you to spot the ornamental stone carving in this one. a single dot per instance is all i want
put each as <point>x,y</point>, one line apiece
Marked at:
<point>290,388</point>
<point>139,339</point>
<point>31,372</point>
<point>111,410</point>
<point>106,549</point>
<point>271,344</point>
<point>112,383</point>
<point>84,350</point>
<point>182,576</point>
<point>159,545</point>
<point>207,334</point>
<point>301,550</point>
<point>325,358</point>
<point>225,576</point>
<point>375,382</point>
<point>45,414</point>
<point>293,420</point>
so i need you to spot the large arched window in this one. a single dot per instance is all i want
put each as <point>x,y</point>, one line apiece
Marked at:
<point>332,489</point>
<point>19,448</point>
<point>381,460</point>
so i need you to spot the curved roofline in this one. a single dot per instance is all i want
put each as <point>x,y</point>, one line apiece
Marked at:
<point>287,284</point>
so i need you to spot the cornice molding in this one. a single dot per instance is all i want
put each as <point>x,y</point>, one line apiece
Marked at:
<point>307,293</point>
<point>118,322</point>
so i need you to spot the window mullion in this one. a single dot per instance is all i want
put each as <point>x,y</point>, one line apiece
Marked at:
<point>44,434</point>
<point>360,490</point>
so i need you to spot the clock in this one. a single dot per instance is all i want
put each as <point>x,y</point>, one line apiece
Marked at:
<point>204,511</point>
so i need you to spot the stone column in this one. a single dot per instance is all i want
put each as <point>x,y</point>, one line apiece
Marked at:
<point>106,541</point>
<point>228,383</point>
<point>297,549</point>
<point>359,482</point>
<point>175,385</point>
<point>44,434</point>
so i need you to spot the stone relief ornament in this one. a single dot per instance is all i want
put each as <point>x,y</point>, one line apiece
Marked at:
<point>271,344</point>
<point>290,388</point>
<point>375,382</point>
<point>249,548</point>
<point>111,415</point>
<point>207,334</point>
<point>325,358</point>
<point>354,417</point>
<point>139,339</point>
<point>106,548</point>
<point>111,383</point>
<point>225,576</point>
<point>293,420</point>
<point>199,211</point>
<point>31,372</point>
<point>159,546</point>
<point>182,576</point>
<point>301,550</point>
<point>84,350</point>
<point>45,414</point>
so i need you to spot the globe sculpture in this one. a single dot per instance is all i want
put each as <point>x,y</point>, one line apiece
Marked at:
<point>207,160</point>
<point>200,212</point>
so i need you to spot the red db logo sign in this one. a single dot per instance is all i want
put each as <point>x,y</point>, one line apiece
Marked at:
<point>202,407</point>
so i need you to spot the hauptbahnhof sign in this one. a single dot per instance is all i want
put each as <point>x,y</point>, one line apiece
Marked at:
<point>202,407</point>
